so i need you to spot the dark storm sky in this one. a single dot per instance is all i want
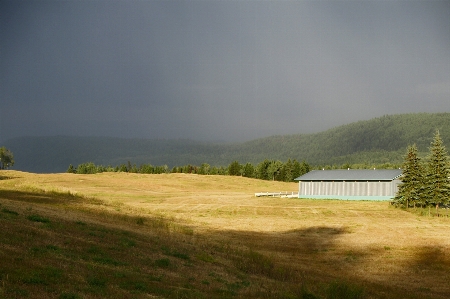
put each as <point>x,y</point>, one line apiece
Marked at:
<point>217,70</point>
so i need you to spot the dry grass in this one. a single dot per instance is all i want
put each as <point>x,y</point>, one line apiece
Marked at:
<point>189,236</point>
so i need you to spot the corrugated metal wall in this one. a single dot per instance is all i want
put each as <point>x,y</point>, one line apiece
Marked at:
<point>349,188</point>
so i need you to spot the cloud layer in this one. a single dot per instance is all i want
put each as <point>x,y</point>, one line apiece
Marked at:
<point>217,70</point>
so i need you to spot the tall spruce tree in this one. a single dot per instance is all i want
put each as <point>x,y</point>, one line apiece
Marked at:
<point>411,189</point>
<point>437,181</point>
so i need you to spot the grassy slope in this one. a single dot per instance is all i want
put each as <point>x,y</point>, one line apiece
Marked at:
<point>188,236</point>
<point>374,141</point>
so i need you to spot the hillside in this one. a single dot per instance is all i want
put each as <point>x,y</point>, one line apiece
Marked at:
<point>378,140</point>
<point>124,235</point>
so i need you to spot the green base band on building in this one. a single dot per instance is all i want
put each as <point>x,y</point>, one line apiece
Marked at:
<point>377,198</point>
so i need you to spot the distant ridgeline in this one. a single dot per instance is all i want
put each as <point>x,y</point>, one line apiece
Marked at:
<point>379,143</point>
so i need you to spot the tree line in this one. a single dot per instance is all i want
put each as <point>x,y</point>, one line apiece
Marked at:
<point>425,182</point>
<point>273,170</point>
<point>266,170</point>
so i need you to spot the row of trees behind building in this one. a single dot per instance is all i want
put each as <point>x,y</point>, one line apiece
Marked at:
<point>265,170</point>
<point>426,181</point>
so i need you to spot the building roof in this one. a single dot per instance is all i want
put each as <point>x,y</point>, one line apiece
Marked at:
<point>351,175</point>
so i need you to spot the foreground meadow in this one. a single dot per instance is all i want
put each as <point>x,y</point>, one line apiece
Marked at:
<point>120,235</point>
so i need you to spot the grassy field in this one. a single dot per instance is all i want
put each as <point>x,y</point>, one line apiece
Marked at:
<point>120,235</point>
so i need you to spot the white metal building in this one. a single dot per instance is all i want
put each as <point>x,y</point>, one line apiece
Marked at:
<point>364,184</point>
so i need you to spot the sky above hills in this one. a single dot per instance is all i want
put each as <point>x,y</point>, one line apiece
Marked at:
<point>217,70</point>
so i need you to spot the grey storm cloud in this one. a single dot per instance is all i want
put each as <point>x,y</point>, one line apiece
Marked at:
<point>217,70</point>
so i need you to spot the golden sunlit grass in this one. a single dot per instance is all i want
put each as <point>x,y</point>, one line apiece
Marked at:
<point>119,235</point>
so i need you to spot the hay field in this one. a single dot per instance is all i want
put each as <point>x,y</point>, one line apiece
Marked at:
<point>208,237</point>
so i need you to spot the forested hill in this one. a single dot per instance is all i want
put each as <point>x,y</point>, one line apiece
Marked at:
<point>378,140</point>
<point>375,141</point>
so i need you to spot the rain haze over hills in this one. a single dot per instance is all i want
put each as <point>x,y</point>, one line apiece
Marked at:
<point>217,70</point>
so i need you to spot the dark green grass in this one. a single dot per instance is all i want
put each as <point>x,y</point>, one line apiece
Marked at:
<point>38,218</point>
<point>78,259</point>
<point>10,212</point>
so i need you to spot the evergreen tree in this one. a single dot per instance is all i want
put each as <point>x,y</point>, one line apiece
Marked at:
<point>71,169</point>
<point>222,170</point>
<point>204,168</point>
<point>411,189</point>
<point>287,171</point>
<point>214,170</point>
<point>296,169</point>
<point>249,170</point>
<point>122,168</point>
<point>261,170</point>
<point>304,168</point>
<point>437,177</point>
<point>234,168</point>
<point>86,168</point>
<point>273,169</point>
<point>146,168</point>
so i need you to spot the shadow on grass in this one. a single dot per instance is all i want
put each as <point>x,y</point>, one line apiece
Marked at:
<point>315,256</point>
<point>6,177</point>
<point>44,197</point>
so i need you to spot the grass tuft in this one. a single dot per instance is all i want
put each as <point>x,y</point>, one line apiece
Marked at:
<point>344,290</point>
<point>174,253</point>
<point>162,263</point>
<point>69,296</point>
<point>97,281</point>
<point>10,212</point>
<point>105,260</point>
<point>205,257</point>
<point>38,218</point>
